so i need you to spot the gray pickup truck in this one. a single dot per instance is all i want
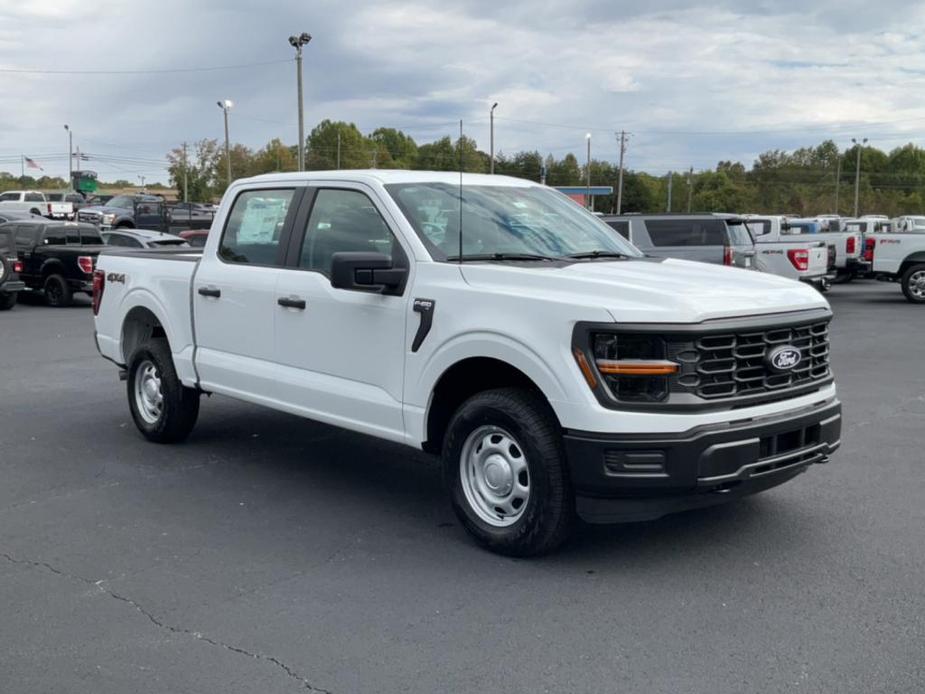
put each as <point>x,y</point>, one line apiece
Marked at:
<point>702,237</point>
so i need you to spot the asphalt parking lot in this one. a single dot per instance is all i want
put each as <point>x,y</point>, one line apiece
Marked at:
<point>271,554</point>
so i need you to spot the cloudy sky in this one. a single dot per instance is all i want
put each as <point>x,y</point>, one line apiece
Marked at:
<point>693,84</point>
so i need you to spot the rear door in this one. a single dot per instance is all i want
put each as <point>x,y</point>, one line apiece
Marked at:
<point>343,350</point>
<point>234,294</point>
<point>703,240</point>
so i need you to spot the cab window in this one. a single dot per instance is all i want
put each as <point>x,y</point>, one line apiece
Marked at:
<point>255,224</point>
<point>54,236</point>
<point>343,221</point>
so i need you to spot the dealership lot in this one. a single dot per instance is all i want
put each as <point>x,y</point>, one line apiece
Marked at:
<point>273,554</point>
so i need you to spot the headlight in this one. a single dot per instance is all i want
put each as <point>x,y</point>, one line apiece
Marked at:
<point>109,218</point>
<point>631,368</point>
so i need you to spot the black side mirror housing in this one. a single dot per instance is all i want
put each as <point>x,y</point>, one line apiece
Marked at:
<point>367,272</point>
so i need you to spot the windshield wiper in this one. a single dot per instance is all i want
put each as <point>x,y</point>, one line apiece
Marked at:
<point>596,254</point>
<point>500,256</point>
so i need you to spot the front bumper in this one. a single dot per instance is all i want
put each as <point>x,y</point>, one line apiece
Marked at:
<point>643,476</point>
<point>10,287</point>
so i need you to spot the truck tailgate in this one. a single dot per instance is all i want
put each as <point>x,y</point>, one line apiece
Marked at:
<point>818,261</point>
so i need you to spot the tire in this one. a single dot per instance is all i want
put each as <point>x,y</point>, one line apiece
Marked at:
<point>8,300</point>
<point>913,283</point>
<point>508,440</point>
<point>57,293</point>
<point>164,410</point>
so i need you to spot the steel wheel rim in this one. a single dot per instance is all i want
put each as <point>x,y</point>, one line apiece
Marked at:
<point>494,475</point>
<point>917,284</point>
<point>149,399</point>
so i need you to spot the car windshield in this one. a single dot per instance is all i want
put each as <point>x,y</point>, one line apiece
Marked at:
<point>739,235</point>
<point>519,223</point>
<point>124,201</point>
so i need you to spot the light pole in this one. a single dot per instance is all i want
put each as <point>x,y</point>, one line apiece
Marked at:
<point>491,118</point>
<point>588,180</point>
<point>297,42</point>
<point>70,156</point>
<point>857,174</point>
<point>142,183</point>
<point>226,105</point>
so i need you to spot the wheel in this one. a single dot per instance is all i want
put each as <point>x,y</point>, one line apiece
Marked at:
<point>913,283</point>
<point>505,470</point>
<point>7,300</point>
<point>57,293</point>
<point>35,212</point>
<point>164,410</point>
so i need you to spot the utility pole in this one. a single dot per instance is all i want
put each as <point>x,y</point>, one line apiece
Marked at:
<point>690,188</point>
<point>588,181</point>
<point>142,183</point>
<point>375,156</point>
<point>620,179</point>
<point>837,180</point>
<point>226,106</point>
<point>338,148</point>
<point>491,118</point>
<point>670,179</point>
<point>70,156</point>
<point>297,42</point>
<point>185,175</point>
<point>857,174</point>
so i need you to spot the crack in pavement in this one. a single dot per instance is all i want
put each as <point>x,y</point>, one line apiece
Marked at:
<point>199,636</point>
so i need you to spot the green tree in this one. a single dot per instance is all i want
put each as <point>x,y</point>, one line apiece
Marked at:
<point>402,149</point>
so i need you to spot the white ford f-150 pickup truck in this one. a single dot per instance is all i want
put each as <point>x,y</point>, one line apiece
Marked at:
<point>900,257</point>
<point>786,252</point>
<point>556,369</point>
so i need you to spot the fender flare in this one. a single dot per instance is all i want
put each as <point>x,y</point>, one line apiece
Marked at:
<point>139,297</point>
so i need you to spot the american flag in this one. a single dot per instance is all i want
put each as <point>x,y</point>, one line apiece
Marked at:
<point>32,164</point>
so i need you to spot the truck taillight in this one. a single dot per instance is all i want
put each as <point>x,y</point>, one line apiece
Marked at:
<point>85,263</point>
<point>799,258</point>
<point>17,266</point>
<point>99,284</point>
<point>49,209</point>
<point>851,245</point>
<point>728,255</point>
<point>869,246</point>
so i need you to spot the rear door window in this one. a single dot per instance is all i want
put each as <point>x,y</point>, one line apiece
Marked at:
<point>54,236</point>
<point>255,226</point>
<point>73,236</point>
<point>34,197</point>
<point>90,237</point>
<point>687,232</point>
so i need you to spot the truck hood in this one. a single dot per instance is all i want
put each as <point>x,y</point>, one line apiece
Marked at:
<point>103,209</point>
<point>650,290</point>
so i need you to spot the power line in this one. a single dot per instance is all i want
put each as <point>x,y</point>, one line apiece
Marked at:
<point>161,71</point>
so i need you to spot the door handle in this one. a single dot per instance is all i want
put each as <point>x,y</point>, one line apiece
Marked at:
<point>210,291</point>
<point>291,303</point>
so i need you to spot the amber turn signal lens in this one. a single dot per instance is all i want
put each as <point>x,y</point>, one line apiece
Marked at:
<point>585,367</point>
<point>611,367</point>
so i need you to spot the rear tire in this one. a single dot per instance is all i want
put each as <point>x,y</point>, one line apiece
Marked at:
<point>913,284</point>
<point>7,300</point>
<point>164,410</point>
<point>57,293</point>
<point>506,474</point>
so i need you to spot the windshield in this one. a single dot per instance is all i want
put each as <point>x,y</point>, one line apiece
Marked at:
<point>503,220</point>
<point>739,235</point>
<point>124,201</point>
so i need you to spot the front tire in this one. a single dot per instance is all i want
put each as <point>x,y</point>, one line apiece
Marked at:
<point>505,470</point>
<point>913,284</point>
<point>164,410</point>
<point>57,293</point>
<point>7,300</point>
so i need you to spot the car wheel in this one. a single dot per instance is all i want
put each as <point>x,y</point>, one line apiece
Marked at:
<point>505,470</point>
<point>164,410</point>
<point>913,283</point>
<point>57,293</point>
<point>7,300</point>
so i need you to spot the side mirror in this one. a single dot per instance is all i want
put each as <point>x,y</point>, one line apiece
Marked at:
<point>367,272</point>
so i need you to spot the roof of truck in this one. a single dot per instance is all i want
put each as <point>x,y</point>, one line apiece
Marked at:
<point>386,176</point>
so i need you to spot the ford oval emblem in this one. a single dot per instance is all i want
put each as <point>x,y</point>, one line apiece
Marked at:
<point>784,358</point>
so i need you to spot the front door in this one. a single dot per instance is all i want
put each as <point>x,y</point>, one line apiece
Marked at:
<point>234,296</point>
<point>343,350</point>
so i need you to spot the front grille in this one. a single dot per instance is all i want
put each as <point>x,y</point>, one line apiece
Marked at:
<point>732,365</point>
<point>89,217</point>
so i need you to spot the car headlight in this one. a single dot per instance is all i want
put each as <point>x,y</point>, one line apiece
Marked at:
<point>108,218</point>
<point>630,368</point>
